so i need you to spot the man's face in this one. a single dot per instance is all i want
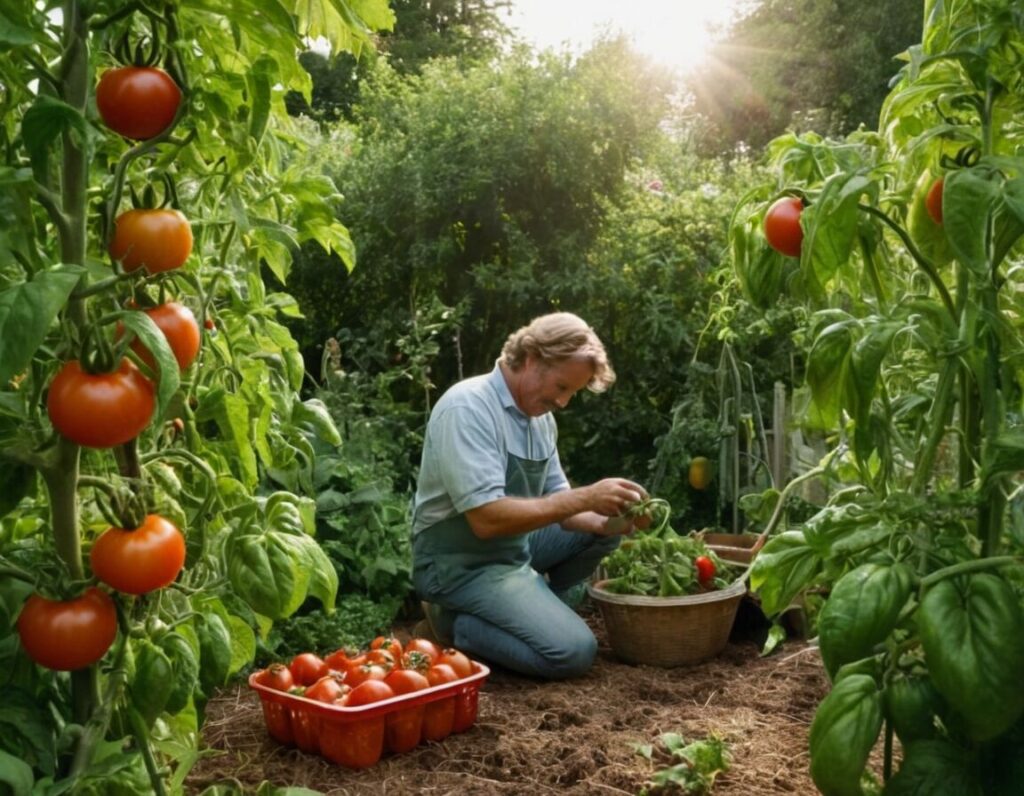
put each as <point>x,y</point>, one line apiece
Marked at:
<point>547,387</point>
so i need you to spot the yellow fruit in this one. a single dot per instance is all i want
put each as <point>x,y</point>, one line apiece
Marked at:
<point>700,473</point>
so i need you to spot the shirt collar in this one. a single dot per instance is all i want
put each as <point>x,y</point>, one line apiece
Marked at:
<point>497,379</point>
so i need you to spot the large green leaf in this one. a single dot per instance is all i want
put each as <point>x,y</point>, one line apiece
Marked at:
<point>43,123</point>
<point>27,311</point>
<point>861,611</point>
<point>785,565</point>
<point>972,631</point>
<point>15,774</point>
<point>935,768</point>
<point>149,334</point>
<point>968,197</point>
<point>827,366</point>
<point>843,732</point>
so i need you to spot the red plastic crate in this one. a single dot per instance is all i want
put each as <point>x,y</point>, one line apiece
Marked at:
<point>357,737</point>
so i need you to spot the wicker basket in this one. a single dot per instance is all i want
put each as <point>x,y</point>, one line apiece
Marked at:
<point>733,546</point>
<point>668,631</point>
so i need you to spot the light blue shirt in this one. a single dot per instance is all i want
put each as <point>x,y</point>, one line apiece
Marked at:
<point>471,431</point>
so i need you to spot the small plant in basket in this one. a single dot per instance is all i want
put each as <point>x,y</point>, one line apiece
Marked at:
<point>659,562</point>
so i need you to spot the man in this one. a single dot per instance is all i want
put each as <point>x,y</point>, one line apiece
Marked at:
<point>498,533</point>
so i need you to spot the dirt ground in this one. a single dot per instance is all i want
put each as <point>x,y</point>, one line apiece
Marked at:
<point>575,737</point>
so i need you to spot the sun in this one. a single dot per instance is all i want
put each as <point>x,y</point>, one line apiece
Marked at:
<point>674,33</point>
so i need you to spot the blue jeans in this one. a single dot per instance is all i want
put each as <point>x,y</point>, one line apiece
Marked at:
<point>506,612</point>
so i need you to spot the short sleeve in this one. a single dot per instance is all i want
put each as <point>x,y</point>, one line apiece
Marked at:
<point>470,457</point>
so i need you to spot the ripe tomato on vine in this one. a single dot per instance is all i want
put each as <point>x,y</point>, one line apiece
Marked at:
<point>100,410</point>
<point>782,226</point>
<point>137,101</point>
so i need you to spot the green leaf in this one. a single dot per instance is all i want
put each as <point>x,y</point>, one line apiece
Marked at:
<point>153,681</point>
<point>44,123</point>
<point>243,643</point>
<point>231,414</point>
<point>26,731</point>
<point>168,378</point>
<point>827,365</point>
<point>968,196</point>
<point>831,225</point>
<point>312,416</point>
<point>16,32</point>
<point>844,729</point>
<point>259,79</point>
<point>972,631</point>
<point>214,649</point>
<point>785,565</point>
<point>864,368</point>
<point>14,773</point>
<point>27,311</point>
<point>935,768</point>
<point>861,611</point>
<point>16,481</point>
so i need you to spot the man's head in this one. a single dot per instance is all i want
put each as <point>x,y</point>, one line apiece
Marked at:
<point>553,357</point>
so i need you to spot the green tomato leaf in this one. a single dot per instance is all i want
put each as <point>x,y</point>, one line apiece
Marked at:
<point>827,367</point>
<point>968,196</point>
<point>27,311</point>
<point>785,565</point>
<point>149,334</point>
<point>861,611</point>
<point>16,775</point>
<point>972,631</point>
<point>214,649</point>
<point>44,123</point>
<point>845,728</point>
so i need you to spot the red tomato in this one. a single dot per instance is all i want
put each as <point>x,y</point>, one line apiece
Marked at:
<point>439,716</point>
<point>933,201</point>
<point>382,657</point>
<point>100,410</point>
<point>179,326</point>
<point>404,681</point>
<point>457,660</point>
<point>358,675</point>
<point>368,692</point>
<point>705,569</point>
<point>156,239</point>
<point>782,226</point>
<point>140,560</point>
<point>137,101</point>
<point>328,688</point>
<point>426,646</point>
<point>276,676</point>
<point>403,728</point>
<point>417,661</point>
<point>307,668</point>
<point>343,660</point>
<point>389,643</point>
<point>68,635</point>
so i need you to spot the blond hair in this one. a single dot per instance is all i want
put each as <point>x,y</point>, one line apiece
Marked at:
<point>557,337</point>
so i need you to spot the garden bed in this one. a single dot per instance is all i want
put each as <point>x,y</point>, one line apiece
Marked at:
<point>571,737</point>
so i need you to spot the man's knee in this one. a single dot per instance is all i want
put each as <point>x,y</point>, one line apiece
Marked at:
<point>573,658</point>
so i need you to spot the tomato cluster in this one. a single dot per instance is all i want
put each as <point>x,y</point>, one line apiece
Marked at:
<point>348,678</point>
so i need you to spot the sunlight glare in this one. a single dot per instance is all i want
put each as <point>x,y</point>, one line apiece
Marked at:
<point>675,33</point>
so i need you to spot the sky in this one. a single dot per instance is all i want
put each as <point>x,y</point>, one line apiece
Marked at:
<point>672,32</point>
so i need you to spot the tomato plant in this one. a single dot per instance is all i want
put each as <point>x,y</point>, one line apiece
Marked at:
<point>782,226</point>
<point>137,101</point>
<point>68,634</point>
<point>100,410</point>
<point>139,560</point>
<point>155,239</point>
<point>179,326</point>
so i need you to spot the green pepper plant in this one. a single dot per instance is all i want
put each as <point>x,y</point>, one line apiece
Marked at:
<point>915,371</point>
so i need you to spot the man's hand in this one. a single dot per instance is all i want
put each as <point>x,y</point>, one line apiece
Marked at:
<point>613,496</point>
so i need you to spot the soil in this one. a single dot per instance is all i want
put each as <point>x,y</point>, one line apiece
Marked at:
<point>575,737</point>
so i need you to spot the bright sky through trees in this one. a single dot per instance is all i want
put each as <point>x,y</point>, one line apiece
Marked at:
<point>676,33</point>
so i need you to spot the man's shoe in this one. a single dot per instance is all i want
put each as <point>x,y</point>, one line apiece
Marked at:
<point>436,625</point>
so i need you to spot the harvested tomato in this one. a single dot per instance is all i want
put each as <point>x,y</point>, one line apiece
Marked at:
<point>457,660</point>
<point>357,675</point>
<point>424,645</point>
<point>782,226</point>
<point>328,688</point>
<point>369,692</point>
<point>389,643</point>
<point>705,569</point>
<point>154,239</point>
<point>358,743</point>
<point>382,657</point>
<point>65,635</point>
<point>139,560</point>
<point>137,101</point>
<point>342,660</point>
<point>417,661</point>
<point>100,410</point>
<point>307,668</point>
<point>179,326</point>
<point>439,716</point>
<point>933,201</point>
<point>403,728</point>
<point>276,676</point>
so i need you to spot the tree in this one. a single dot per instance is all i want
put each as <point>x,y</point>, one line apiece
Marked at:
<point>802,64</point>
